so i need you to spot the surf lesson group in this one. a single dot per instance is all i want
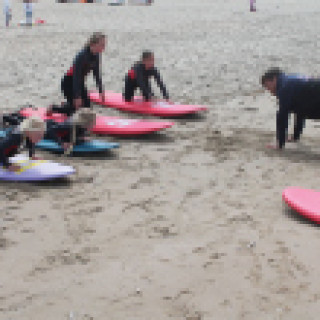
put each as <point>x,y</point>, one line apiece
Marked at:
<point>66,127</point>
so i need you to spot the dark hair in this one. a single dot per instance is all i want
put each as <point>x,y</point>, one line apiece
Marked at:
<point>95,38</point>
<point>146,55</point>
<point>270,75</point>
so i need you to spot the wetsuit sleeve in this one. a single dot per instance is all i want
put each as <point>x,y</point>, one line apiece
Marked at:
<point>6,143</point>
<point>31,148</point>
<point>143,84</point>
<point>13,119</point>
<point>282,121</point>
<point>161,84</point>
<point>97,74</point>
<point>4,160</point>
<point>298,127</point>
<point>78,76</point>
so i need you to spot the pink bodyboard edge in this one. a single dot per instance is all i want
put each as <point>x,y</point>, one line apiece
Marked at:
<point>133,126</point>
<point>114,102</point>
<point>290,193</point>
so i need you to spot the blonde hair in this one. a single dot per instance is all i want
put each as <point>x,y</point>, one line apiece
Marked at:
<point>83,117</point>
<point>95,38</point>
<point>32,124</point>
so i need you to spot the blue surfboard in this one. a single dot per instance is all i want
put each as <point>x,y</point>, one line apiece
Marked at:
<point>92,146</point>
<point>2,133</point>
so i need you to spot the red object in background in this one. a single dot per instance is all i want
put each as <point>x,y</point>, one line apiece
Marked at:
<point>40,21</point>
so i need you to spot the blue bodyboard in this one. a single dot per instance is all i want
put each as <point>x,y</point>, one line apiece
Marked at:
<point>85,147</point>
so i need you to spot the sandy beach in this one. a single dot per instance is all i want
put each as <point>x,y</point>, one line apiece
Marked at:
<point>186,224</point>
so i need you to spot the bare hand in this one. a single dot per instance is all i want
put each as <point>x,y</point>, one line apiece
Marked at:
<point>77,103</point>
<point>66,146</point>
<point>14,168</point>
<point>290,139</point>
<point>273,146</point>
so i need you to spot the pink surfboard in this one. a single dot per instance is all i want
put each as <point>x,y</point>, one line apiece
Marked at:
<point>305,202</point>
<point>107,125</point>
<point>163,109</point>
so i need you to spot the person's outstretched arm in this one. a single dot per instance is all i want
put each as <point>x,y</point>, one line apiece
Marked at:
<point>97,75</point>
<point>299,123</point>
<point>161,84</point>
<point>282,123</point>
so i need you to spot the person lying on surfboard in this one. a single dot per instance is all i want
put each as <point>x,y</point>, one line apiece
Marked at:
<point>139,76</point>
<point>73,131</point>
<point>27,134</point>
<point>73,83</point>
<point>296,94</point>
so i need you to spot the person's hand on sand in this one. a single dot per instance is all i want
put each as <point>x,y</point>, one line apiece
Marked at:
<point>14,168</point>
<point>290,139</point>
<point>77,103</point>
<point>273,146</point>
<point>66,146</point>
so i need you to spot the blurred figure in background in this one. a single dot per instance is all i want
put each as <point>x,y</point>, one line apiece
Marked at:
<point>28,8</point>
<point>7,11</point>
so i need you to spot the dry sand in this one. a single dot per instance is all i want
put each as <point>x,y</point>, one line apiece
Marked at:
<point>186,224</point>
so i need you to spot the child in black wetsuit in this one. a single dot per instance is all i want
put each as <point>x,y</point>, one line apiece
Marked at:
<point>139,76</point>
<point>27,133</point>
<point>73,83</point>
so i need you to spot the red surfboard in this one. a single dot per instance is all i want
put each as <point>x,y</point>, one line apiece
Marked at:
<point>305,202</point>
<point>107,125</point>
<point>163,109</point>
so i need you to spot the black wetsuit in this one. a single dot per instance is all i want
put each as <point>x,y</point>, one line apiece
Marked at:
<point>12,119</point>
<point>300,96</point>
<point>73,82</point>
<point>138,77</point>
<point>62,132</point>
<point>10,144</point>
